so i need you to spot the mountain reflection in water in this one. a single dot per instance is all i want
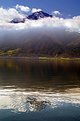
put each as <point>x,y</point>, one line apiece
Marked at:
<point>35,85</point>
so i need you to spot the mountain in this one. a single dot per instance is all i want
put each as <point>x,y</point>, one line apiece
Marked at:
<point>38,15</point>
<point>34,16</point>
<point>49,42</point>
<point>18,20</point>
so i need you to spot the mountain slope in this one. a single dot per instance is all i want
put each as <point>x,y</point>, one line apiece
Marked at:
<point>34,16</point>
<point>18,20</point>
<point>55,43</point>
<point>38,15</point>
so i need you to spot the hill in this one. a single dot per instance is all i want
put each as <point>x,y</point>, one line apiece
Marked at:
<point>39,42</point>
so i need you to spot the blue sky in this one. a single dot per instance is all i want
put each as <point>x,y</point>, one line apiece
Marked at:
<point>66,7</point>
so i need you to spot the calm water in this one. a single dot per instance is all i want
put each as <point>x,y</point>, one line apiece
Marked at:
<point>34,90</point>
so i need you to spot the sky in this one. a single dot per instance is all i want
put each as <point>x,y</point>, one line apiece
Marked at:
<point>66,14</point>
<point>66,7</point>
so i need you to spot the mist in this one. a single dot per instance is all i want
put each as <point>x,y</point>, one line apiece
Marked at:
<point>47,36</point>
<point>8,37</point>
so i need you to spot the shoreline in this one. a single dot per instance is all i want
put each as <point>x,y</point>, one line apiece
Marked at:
<point>42,58</point>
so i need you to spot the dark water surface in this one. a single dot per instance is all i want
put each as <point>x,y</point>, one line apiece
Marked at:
<point>35,90</point>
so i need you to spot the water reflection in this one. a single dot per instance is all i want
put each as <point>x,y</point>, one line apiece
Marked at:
<point>30,86</point>
<point>36,101</point>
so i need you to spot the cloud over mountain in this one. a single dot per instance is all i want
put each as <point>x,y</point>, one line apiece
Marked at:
<point>22,8</point>
<point>35,10</point>
<point>6,15</point>
<point>56,13</point>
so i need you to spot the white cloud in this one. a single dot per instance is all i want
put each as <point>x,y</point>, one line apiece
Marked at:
<point>7,15</point>
<point>72,24</point>
<point>22,8</point>
<point>56,13</point>
<point>35,10</point>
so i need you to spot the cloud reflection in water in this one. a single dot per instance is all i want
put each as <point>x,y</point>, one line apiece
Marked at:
<point>22,101</point>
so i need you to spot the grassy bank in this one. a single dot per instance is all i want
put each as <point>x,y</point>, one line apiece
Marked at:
<point>12,54</point>
<point>59,58</point>
<point>9,52</point>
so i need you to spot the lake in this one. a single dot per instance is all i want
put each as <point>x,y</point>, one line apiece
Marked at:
<point>39,90</point>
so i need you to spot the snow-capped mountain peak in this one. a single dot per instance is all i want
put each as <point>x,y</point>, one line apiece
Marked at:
<point>33,16</point>
<point>38,15</point>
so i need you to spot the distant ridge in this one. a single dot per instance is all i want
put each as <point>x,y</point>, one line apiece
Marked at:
<point>33,16</point>
<point>17,20</point>
<point>38,15</point>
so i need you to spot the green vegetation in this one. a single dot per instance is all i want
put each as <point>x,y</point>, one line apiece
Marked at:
<point>59,58</point>
<point>17,53</point>
<point>9,52</point>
